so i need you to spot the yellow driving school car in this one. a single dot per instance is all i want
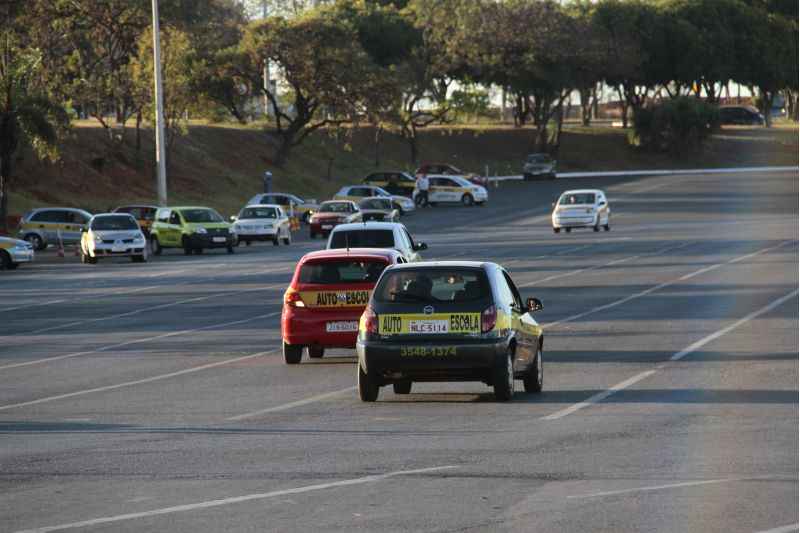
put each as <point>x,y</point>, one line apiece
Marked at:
<point>448,321</point>
<point>13,252</point>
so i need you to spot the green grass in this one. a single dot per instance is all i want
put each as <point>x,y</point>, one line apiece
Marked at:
<point>221,165</point>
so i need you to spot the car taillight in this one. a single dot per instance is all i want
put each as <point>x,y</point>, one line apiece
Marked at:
<point>488,319</point>
<point>370,321</point>
<point>292,298</point>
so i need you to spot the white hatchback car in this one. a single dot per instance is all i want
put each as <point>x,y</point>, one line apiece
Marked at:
<point>377,235</point>
<point>265,222</point>
<point>113,235</point>
<point>582,208</point>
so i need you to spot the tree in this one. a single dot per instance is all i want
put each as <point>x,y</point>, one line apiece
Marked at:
<point>325,71</point>
<point>28,114</point>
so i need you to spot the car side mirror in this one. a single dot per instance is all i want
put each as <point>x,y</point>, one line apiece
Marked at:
<point>534,304</point>
<point>420,246</point>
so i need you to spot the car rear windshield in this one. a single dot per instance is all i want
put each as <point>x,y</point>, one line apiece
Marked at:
<point>342,271</point>
<point>259,212</point>
<point>574,199</point>
<point>111,223</point>
<point>433,285</point>
<point>335,207</point>
<point>363,238</point>
<point>197,216</point>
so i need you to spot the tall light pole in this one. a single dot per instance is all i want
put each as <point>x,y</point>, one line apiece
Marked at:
<point>265,74</point>
<point>161,156</point>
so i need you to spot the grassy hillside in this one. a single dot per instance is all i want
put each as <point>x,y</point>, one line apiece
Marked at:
<point>222,165</point>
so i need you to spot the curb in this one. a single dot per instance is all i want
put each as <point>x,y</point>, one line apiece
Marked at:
<point>614,173</point>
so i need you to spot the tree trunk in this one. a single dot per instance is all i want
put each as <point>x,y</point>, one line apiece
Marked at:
<point>139,131</point>
<point>586,106</point>
<point>767,98</point>
<point>411,138</point>
<point>377,143</point>
<point>624,104</point>
<point>5,176</point>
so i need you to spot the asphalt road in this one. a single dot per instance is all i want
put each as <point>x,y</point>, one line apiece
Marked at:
<point>154,397</point>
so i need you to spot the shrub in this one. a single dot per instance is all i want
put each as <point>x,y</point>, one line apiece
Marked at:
<point>678,125</point>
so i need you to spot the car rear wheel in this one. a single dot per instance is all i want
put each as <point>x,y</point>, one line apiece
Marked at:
<point>36,241</point>
<point>155,246</point>
<point>187,250</point>
<point>367,386</point>
<point>292,353</point>
<point>316,352</point>
<point>467,200</point>
<point>402,387</point>
<point>503,381</point>
<point>534,378</point>
<point>139,258</point>
<point>5,261</point>
<point>230,249</point>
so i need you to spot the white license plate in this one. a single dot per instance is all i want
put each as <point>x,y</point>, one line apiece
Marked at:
<point>119,248</point>
<point>428,326</point>
<point>327,226</point>
<point>339,327</point>
<point>219,239</point>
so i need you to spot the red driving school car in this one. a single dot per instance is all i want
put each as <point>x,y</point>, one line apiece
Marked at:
<point>329,291</point>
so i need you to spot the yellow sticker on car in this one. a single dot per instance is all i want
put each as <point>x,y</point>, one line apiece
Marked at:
<point>335,298</point>
<point>433,324</point>
<point>428,351</point>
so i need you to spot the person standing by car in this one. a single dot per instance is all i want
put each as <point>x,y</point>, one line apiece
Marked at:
<point>422,186</point>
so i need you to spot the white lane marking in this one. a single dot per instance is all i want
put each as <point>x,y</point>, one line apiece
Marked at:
<point>782,529</point>
<point>135,382</point>
<point>238,499</point>
<point>677,356</point>
<point>660,286</point>
<point>147,309</point>
<point>290,405</point>
<point>93,295</point>
<point>610,263</point>
<point>28,306</point>
<point>136,341</point>
<point>647,489</point>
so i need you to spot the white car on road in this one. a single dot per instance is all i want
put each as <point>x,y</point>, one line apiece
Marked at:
<point>581,208</point>
<point>454,189</point>
<point>377,235</point>
<point>113,235</point>
<point>264,222</point>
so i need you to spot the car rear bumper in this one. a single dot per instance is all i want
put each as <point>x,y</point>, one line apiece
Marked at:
<point>199,240</point>
<point>471,360</point>
<point>265,235</point>
<point>309,327</point>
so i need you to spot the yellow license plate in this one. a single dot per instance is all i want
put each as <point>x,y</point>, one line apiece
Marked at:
<point>335,298</point>
<point>433,324</point>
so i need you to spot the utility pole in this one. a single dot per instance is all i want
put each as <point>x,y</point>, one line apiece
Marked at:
<point>161,156</point>
<point>267,88</point>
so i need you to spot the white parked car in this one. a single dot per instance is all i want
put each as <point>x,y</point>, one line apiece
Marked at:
<point>113,235</point>
<point>14,252</point>
<point>456,189</point>
<point>583,208</point>
<point>356,193</point>
<point>377,235</point>
<point>266,222</point>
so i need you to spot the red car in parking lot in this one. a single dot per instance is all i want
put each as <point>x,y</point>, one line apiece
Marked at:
<point>327,295</point>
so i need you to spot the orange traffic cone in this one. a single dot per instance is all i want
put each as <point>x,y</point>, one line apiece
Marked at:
<point>60,245</point>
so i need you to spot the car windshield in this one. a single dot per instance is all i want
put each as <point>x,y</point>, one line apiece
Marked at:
<point>259,212</point>
<point>200,215</point>
<point>433,285</point>
<point>381,192</point>
<point>461,181</point>
<point>538,158</point>
<point>114,222</point>
<point>342,271</point>
<point>363,238</point>
<point>375,203</point>
<point>577,199</point>
<point>334,207</point>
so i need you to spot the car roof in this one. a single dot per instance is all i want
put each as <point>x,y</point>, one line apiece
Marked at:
<point>136,205</point>
<point>447,264</point>
<point>583,191</point>
<point>112,215</point>
<point>178,207</point>
<point>77,209</point>
<point>337,253</point>
<point>367,225</point>
<point>336,202</point>
<point>276,206</point>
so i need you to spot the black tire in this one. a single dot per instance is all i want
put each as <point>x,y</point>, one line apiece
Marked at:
<point>230,249</point>
<point>556,230</point>
<point>247,243</point>
<point>468,200</point>
<point>316,352</point>
<point>402,387</point>
<point>36,241</point>
<point>155,246</point>
<point>503,378</point>
<point>292,353</point>
<point>533,381</point>
<point>187,250</point>
<point>5,261</point>
<point>367,386</point>
<point>197,251</point>
<point>552,175</point>
<point>527,177</point>
<point>137,259</point>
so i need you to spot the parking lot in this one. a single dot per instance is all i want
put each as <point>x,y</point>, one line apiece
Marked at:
<point>154,396</point>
